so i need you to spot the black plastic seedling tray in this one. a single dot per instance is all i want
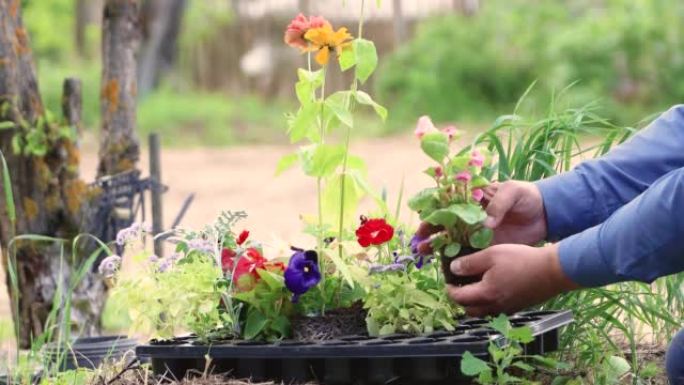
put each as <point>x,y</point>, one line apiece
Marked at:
<point>360,359</point>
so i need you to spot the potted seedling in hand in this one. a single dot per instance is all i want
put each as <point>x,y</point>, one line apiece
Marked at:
<point>453,204</point>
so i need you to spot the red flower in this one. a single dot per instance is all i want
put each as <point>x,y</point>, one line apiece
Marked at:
<point>294,34</point>
<point>242,237</point>
<point>374,232</point>
<point>246,273</point>
<point>227,259</point>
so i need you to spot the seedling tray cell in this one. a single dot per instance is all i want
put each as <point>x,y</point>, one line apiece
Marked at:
<point>360,359</point>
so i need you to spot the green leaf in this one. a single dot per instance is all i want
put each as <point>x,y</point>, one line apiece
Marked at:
<point>337,104</point>
<point>435,145</point>
<point>365,99</point>
<point>442,217</point>
<point>341,267</point>
<point>479,182</point>
<point>387,329</point>
<point>325,160</point>
<point>424,200</point>
<point>473,366</point>
<point>366,58</point>
<point>6,125</point>
<point>347,59</point>
<point>331,198</point>
<point>481,238</point>
<point>501,324</point>
<point>469,213</point>
<point>614,367</point>
<point>255,323</point>
<point>286,162</point>
<point>309,82</point>
<point>17,144</point>
<point>438,242</point>
<point>521,334</point>
<point>281,324</point>
<point>452,250</point>
<point>9,195</point>
<point>458,163</point>
<point>274,281</point>
<point>304,124</point>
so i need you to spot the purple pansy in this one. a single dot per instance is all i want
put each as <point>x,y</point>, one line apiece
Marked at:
<point>302,273</point>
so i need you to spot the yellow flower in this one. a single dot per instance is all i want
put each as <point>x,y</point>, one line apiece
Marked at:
<point>324,40</point>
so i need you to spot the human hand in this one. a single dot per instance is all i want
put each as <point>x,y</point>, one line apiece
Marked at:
<point>513,277</point>
<point>515,211</point>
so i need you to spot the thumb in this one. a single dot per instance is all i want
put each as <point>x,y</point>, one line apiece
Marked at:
<point>501,203</point>
<point>473,264</point>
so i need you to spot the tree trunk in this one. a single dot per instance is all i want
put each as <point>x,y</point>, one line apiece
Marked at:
<point>467,7</point>
<point>43,166</point>
<point>119,148</point>
<point>161,27</point>
<point>87,12</point>
<point>399,23</point>
<point>304,6</point>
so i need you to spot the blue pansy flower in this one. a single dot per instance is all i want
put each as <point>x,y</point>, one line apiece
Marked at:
<point>302,273</point>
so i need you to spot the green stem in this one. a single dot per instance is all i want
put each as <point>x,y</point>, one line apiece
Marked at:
<point>345,162</point>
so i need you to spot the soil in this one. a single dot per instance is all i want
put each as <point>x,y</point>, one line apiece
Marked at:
<point>334,324</point>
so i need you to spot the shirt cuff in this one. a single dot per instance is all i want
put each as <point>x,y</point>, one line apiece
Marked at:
<point>582,260</point>
<point>565,199</point>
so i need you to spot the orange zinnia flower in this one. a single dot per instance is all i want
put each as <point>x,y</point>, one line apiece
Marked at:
<point>325,39</point>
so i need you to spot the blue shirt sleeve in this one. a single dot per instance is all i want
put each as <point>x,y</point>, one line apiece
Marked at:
<point>594,190</point>
<point>641,241</point>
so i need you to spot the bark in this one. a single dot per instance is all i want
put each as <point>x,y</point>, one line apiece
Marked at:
<point>304,6</point>
<point>47,191</point>
<point>119,147</point>
<point>87,12</point>
<point>467,7</point>
<point>399,23</point>
<point>161,27</point>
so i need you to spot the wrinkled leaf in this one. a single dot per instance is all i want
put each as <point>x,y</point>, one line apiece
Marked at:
<point>366,58</point>
<point>286,162</point>
<point>365,99</point>
<point>469,213</point>
<point>435,145</point>
<point>452,250</point>
<point>481,238</point>
<point>255,323</point>
<point>473,366</point>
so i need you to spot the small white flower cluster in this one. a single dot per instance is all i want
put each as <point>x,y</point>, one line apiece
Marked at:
<point>134,232</point>
<point>109,266</point>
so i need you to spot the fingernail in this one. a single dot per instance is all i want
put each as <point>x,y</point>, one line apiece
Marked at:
<point>456,267</point>
<point>490,222</point>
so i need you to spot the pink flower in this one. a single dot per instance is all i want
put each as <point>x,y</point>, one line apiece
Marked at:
<point>478,194</point>
<point>294,34</point>
<point>476,159</point>
<point>438,171</point>
<point>450,131</point>
<point>424,126</point>
<point>464,176</point>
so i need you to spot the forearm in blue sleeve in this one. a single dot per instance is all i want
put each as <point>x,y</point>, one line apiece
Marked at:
<point>587,195</point>
<point>641,241</point>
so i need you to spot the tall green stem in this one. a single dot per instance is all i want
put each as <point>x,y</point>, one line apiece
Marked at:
<point>345,162</point>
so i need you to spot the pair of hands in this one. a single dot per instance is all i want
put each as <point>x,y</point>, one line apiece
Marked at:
<point>514,274</point>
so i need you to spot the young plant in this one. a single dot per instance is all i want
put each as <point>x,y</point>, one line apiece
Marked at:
<point>340,177</point>
<point>405,291</point>
<point>508,358</point>
<point>454,203</point>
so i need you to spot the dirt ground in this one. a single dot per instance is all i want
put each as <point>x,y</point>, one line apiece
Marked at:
<point>242,178</point>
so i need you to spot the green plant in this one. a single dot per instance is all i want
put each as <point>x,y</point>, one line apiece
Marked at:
<point>507,358</point>
<point>269,308</point>
<point>409,301</point>
<point>454,202</point>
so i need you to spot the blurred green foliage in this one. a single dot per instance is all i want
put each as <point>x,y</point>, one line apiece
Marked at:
<point>627,54</point>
